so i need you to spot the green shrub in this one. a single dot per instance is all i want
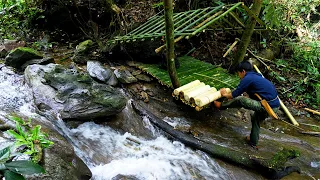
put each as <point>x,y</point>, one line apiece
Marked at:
<point>13,170</point>
<point>33,139</point>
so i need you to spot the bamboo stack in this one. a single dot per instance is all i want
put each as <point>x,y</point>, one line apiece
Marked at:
<point>197,94</point>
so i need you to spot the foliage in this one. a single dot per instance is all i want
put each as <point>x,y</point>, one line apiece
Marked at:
<point>33,139</point>
<point>15,17</point>
<point>290,14</point>
<point>305,63</point>
<point>13,170</point>
<point>296,18</point>
<point>158,5</point>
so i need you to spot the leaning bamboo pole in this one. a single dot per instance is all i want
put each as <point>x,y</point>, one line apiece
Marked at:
<point>285,109</point>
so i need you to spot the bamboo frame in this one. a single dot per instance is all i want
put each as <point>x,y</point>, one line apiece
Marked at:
<point>187,24</point>
<point>250,13</point>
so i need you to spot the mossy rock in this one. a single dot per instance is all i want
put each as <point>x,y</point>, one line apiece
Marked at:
<point>17,57</point>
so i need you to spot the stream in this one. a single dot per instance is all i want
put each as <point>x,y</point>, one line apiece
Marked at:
<point>111,153</point>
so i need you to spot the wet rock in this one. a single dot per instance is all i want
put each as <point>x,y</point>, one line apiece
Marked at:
<point>104,74</point>
<point>124,177</point>
<point>73,95</point>
<point>3,51</point>
<point>81,52</point>
<point>21,55</point>
<point>124,76</point>
<point>42,61</point>
<point>143,77</point>
<point>144,96</point>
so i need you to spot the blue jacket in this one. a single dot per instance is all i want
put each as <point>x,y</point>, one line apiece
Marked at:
<point>252,83</point>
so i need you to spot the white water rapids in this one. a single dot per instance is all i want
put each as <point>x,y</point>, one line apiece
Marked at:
<point>108,153</point>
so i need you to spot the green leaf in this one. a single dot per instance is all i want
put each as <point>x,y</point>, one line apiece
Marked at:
<point>24,167</point>
<point>2,167</point>
<point>15,135</point>
<point>16,119</point>
<point>45,143</point>
<point>19,129</point>
<point>4,154</point>
<point>28,152</point>
<point>9,175</point>
<point>36,132</point>
<point>21,143</point>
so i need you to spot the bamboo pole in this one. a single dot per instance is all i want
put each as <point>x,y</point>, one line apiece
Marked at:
<point>237,19</point>
<point>231,47</point>
<point>212,21</point>
<point>312,111</point>
<point>181,37</point>
<point>285,109</point>
<point>253,15</point>
<point>169,26</point>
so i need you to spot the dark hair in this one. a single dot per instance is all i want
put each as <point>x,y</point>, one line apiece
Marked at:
<point>244,65</point>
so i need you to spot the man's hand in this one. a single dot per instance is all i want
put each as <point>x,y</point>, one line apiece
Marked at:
<point>225,92</point>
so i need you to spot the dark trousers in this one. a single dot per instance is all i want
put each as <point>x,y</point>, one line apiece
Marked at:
<point>258,116</point>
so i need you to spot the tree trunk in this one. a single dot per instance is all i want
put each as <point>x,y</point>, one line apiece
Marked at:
<point>168,9</point>
<point>246,36</point>
<point>272,168</point>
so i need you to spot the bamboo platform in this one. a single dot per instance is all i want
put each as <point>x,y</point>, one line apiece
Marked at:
<point>211,78</point>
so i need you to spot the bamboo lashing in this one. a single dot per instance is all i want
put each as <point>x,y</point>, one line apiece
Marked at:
<point>285,109</point>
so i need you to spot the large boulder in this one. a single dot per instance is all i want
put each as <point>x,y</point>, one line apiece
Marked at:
<point>73,95</point>
<point>19,56</point>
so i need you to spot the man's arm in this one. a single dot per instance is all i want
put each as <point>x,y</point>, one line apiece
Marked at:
<point>225,93</point>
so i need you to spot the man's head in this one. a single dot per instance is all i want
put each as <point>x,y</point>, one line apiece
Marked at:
<point>243,68</point>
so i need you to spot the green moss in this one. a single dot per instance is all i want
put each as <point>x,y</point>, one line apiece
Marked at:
<point>281,157</point>
<point>27,49</point>
<point>83,46</point>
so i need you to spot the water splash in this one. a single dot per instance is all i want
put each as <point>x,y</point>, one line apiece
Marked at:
<point>15,95</point>
<point>148,159</point>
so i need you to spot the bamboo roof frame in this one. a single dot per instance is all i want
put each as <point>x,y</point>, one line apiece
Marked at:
<point>190,23</point>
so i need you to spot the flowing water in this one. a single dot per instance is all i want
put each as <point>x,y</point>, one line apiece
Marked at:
<point>109,153</point>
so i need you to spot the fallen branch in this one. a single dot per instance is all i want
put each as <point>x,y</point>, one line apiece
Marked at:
<point>272,168</point>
